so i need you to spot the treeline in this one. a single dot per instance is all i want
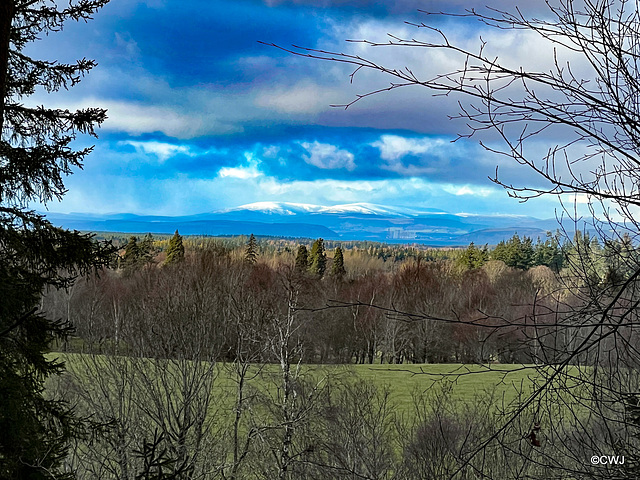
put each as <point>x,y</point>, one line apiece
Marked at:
<point>196,362</point>
<point>346,308</point>
<point>517,252</point>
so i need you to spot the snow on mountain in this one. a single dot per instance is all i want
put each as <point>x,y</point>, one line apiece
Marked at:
<point>353,221</point>
<point>277,208</point>
<point>363,208</point>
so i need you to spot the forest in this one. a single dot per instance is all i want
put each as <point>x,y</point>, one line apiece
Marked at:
<point>351,304</point>
<point>201,357</point>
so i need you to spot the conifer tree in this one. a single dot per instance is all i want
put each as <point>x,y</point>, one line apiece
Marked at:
<point>620,259</point>
<point>516,252</point>
<point>500,252</point>
<point>318,258</point>
<point>147,250</point>
<point>175,252</point>
<point>337,268</point>
<point>251,252</point>
<point>302,259</point>
<point>473,257</point>
<point>585,259</point>
<point>131,256</point>
<point>549,253</point>
<point>35,154</point>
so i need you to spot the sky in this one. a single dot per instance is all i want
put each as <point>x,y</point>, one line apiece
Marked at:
<point>203,117</point>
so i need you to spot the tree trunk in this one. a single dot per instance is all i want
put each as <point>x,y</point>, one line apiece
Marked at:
<point>7,11</point>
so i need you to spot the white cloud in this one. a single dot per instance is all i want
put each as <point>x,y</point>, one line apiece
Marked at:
<point>242,173</point>
<point>303,98</point>
<point>160,149</point>
<point>435,152</point>
<point>137,119</point>
<point>327,156</point>
<point>468,190</point>
<point>189,112</point>
<point>337,190</point>
<point>394,147</point>
<point>181,194</point>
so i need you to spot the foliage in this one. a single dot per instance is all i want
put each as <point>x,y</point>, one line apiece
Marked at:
<point>515,252</point>
<point>131,256</point>
<point>251,252</point>
<point>138,254</point>
<point>621,260</point>
<point>584,261</point>
<point>302,259</point>
<point>147,249</point>
<point>337,267</point>
<point>175,251</point>
<point>549,253</point>
<point>243,300</point>
<point>318,258</point>
<point>35,154</point>
<point>474,257</point>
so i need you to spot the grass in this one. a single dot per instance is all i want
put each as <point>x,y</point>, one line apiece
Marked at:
<point>507,382</point>
<point>468,381</point>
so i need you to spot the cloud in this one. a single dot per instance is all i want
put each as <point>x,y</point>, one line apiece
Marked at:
<point>239,172</point>
<point>393,147</point>
<point>127,44</point>
<point>302,98</point>
<point>160,149</point>
<point>242,172</point>
<point>431,157</point>
<point>190,117</point>
<point>199,70</point>
<point>469,190</point>
<point>327,157</point>
<point>376,7</point>
<point>139,118</point>
<point>163,191</point>
<point>231,121</point>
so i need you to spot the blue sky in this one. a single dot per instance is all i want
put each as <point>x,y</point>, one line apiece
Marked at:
<point>203,117</point>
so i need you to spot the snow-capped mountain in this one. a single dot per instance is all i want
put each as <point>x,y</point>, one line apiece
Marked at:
<point>354,221</point>
<point>273,208</point>
<point>288,208</point>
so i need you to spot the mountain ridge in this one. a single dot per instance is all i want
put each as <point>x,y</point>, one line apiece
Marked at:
<point>355,221</point>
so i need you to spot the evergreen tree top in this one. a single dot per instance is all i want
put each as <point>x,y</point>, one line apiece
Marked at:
<point>251,251</point>
<point>302,259</point>
<point>337,267</point>
<point>318,258</point>
<point>35,142</point>
<point>35,155</point>
<point>175,251</point>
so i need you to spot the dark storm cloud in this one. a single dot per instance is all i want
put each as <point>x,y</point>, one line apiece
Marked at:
<point>196,103</point>
<point>374,7</point>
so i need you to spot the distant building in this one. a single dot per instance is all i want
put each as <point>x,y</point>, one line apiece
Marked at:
<point>400,233</point>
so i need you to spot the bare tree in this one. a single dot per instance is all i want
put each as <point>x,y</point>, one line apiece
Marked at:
<point>588,96</point>
<point>153,391</point>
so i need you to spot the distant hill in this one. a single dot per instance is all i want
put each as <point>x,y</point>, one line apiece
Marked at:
<point>357,221</point>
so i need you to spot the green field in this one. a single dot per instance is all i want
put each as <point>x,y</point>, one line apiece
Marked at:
<point>467,382</point>
<point>389,407</point>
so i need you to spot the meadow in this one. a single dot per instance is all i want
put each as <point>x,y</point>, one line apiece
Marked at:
<point>465,383</point>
